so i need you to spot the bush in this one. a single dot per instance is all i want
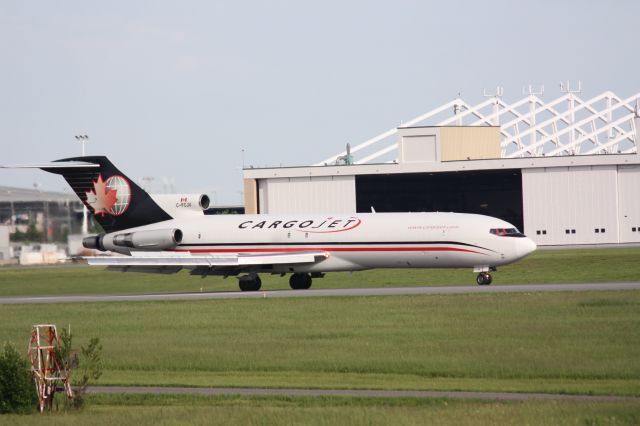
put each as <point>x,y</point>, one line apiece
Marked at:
<point>17,391</point>
<point>90,369</point>
<point>85,368</point>
<point>30,235</point>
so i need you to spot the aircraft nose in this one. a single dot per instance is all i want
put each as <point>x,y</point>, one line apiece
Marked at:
<point>525,247</point>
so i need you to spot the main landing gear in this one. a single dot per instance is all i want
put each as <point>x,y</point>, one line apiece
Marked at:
<point>250,283</point>
<point>299,281</point>
<point>484,278</point>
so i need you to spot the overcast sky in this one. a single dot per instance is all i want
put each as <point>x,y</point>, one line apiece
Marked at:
<point>179,88</point>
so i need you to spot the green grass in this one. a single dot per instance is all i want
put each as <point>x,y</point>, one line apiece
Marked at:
<point>576,343</point>
<point>569,342</point>
<point>544,266</point>
<point>169,409</point>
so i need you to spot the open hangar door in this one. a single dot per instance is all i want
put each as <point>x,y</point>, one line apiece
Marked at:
<point>496,193</point>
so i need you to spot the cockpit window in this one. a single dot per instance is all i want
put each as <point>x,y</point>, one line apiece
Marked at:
<point>506,232</point>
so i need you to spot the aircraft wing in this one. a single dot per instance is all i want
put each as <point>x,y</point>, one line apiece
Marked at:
<point>177,260</point>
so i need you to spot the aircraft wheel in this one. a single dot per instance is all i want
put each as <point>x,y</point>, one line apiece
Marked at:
<point>484,278</point>
<point>307,282</point>
<point>480,279</point>
<point>250,283</point>
<point>300,281</point>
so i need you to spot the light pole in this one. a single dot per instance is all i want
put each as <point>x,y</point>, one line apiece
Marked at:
<point>82,139</point>
<point>85,222</point>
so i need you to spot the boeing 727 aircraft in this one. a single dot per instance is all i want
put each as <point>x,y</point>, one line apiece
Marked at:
<point>165,234</point>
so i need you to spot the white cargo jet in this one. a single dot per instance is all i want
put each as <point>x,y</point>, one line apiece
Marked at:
<point>168,233</point>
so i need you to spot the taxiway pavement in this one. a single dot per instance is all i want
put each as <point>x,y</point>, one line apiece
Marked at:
<point>383,291</point>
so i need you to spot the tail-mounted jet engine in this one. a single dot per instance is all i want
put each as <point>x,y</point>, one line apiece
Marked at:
<point>177,205</point>
<point>157,239</point>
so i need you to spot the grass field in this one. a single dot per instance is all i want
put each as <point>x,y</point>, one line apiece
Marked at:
<point>544,266</point>
<point>167,410</point>
<point>572,342</point>
<point>579,343</point>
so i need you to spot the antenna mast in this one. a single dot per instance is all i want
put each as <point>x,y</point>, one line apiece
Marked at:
<point>495,118</point>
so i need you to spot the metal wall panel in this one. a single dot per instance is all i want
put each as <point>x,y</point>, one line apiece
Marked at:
<point>629,203</point>
<point>566,205</point>
<point>469,143</point>
<point>417,149</point>
<point>318,194</point>
<point>250,196</point>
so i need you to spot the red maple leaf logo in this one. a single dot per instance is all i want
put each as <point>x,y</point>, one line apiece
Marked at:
<point>102,198</point>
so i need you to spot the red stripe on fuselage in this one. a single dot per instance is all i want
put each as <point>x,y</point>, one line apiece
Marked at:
<point>329,249</point>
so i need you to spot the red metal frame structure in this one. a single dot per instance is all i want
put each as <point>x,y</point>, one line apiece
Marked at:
<point>48,373</point>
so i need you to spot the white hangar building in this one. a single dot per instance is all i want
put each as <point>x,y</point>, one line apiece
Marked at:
<point>566,172</point>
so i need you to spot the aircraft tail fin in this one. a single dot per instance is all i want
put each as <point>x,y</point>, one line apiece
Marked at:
<point>116,201</point>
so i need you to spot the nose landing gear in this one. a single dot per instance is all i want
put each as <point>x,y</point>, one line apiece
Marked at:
<point>484,278</point>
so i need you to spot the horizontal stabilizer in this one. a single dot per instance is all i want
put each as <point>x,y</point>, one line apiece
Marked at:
<point>55,165</point>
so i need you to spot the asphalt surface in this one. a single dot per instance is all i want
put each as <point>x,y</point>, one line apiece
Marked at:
<point>391,291</point>
<point>500,396</point>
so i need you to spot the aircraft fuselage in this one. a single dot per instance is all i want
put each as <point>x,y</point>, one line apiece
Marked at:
<point>358,241</point>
